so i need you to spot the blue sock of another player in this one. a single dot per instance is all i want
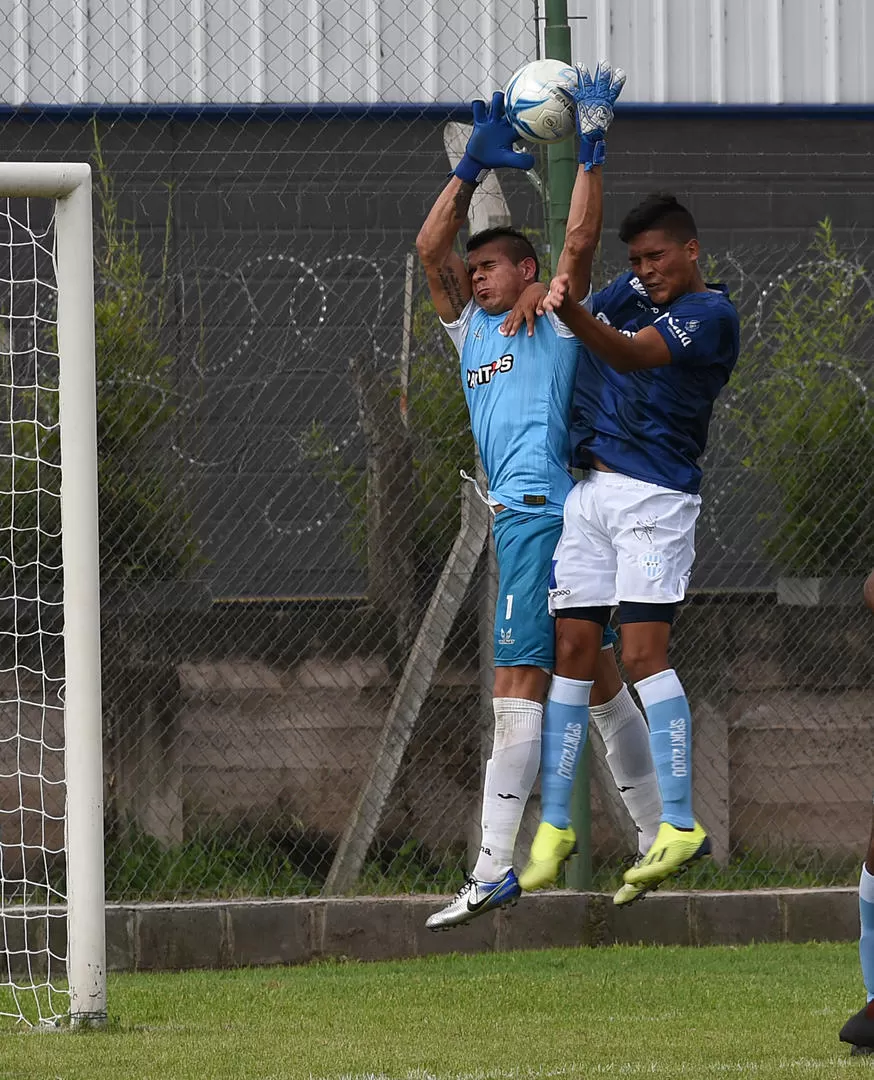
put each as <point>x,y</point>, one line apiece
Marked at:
<point>565,724</point>
<point>866,939</point>
<point>670,736</point>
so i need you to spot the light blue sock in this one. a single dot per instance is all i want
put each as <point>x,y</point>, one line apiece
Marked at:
<point>670,736</point>
<point>866,938</point>
<point>565,724</point>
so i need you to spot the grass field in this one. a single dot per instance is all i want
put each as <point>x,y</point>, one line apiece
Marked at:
<point>761,1011</point>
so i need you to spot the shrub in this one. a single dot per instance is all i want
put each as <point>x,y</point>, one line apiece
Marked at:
<point>801,399</point>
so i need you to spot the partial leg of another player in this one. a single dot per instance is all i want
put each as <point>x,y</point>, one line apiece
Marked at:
<point>859,1029</point>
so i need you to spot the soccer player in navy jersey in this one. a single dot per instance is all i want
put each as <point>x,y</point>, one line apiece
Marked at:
<point>519,398</point>
<point>660,344</point>
<point>859,1029</point>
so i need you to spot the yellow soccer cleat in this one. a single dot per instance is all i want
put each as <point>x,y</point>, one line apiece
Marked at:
<point>672,850</point>
<point>550,848</point>
<point>627,894</point>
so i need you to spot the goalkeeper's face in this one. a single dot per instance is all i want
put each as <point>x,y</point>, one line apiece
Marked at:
<point>667,267</point>
<point>497,282</point>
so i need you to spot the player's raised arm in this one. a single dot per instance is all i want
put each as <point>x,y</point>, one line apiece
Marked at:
<point>490,146</point>
<point>595,97</point>
<point>447,275</point>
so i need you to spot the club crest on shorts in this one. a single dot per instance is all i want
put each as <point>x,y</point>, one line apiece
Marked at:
<point>652,564</point>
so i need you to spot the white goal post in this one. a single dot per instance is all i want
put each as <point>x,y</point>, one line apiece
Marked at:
<point>65,248</point>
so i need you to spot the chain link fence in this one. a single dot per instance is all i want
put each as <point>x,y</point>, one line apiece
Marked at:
<point>297,594</point>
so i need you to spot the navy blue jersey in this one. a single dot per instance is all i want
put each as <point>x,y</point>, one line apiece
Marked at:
<point>652,424</point>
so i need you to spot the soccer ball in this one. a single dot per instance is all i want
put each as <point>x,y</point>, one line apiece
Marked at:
<point>539,101</point>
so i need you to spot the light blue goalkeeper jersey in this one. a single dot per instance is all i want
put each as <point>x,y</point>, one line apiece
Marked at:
<point>519,393</point>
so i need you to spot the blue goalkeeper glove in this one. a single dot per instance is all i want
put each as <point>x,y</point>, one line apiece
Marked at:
<point>490,145</point>
<point>595,97</point>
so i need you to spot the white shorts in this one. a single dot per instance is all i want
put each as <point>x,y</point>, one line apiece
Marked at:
<point>623,539</point>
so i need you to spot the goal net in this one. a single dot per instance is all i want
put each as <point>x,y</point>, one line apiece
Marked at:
<point>51,827</point>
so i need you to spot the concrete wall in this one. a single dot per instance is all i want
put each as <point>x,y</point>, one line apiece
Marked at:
<point>784,760</point>
<point>280,741</point>
<point>174,937</point>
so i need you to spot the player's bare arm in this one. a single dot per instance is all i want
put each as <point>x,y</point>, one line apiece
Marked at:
<point>647,349</point>
<point>582,237</point>
<point>583,233</point>
<point>448,279</point>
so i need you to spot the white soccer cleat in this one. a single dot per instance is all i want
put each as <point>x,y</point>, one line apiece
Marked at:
<point>475,898</point>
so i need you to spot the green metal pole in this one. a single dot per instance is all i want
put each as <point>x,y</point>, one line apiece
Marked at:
<point>562,170</point>
<point>561,157</point>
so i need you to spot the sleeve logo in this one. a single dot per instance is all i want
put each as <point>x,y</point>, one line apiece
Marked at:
<point>482,376</point>
<point>678,332</point>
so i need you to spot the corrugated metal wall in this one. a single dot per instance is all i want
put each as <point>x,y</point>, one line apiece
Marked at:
<point>344,51</point>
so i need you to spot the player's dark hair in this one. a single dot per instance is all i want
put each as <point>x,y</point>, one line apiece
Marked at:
<point>660,210</point>
<point>515,244</point>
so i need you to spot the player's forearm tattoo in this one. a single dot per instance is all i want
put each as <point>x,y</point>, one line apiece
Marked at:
<point>452,288</point>
<point>461,202</point>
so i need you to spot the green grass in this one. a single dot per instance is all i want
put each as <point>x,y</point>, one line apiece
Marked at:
<point>763,1011</point>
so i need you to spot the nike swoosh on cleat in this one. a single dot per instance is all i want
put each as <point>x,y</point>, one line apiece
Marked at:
<point>479,903</point>
<point>500,796</point>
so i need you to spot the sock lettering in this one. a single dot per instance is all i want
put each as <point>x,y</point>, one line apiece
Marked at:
<point>679,764</point>
<point>570,742</point>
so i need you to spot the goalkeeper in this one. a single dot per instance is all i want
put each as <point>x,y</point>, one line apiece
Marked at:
<point>519,396</point>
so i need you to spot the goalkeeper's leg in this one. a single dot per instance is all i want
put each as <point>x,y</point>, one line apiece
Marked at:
<point>509,777</point>
<point>524,645</point>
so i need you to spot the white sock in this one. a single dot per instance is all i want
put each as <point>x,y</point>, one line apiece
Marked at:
<point>510,775</point>
<point>626,737</point>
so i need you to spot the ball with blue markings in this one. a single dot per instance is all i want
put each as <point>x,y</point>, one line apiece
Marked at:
<point>539,101</point>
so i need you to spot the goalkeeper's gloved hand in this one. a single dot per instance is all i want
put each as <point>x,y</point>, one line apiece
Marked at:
<point>595,97</point>
<point>490,145</point>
